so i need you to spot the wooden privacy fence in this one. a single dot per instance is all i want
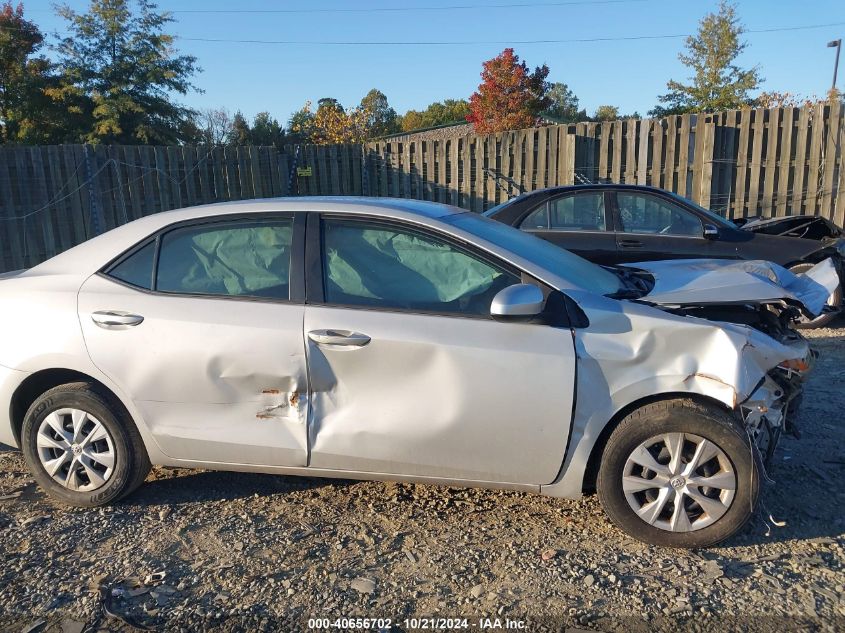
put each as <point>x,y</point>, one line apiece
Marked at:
<point>773,162</point>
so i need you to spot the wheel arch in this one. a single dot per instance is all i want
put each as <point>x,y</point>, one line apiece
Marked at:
<point>42,381</point>
<point>588,484</point>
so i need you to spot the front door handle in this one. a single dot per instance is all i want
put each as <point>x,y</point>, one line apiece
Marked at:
<point>116,319</point>
<point>343,338</point>
<point>630,243</point>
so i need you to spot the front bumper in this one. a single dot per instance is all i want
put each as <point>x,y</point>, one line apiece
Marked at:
<point>769,411</point>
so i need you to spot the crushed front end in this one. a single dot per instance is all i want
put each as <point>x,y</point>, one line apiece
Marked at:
<point>770,410</point>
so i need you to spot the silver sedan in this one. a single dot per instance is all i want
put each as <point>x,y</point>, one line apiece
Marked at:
<point>396,340</point>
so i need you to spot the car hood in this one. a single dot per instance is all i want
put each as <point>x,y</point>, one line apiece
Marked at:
<point>721,281</point>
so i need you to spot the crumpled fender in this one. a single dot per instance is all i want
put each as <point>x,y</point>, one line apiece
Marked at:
<point>633,351</point>
<point>720,281</point>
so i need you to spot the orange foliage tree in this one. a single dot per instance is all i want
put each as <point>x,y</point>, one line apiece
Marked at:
<point>509,96</point>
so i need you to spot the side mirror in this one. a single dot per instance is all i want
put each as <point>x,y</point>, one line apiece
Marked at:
<point>711,232</point>
<point>520,302</point>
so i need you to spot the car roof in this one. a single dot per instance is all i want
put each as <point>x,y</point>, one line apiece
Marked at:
<point>92,254</point>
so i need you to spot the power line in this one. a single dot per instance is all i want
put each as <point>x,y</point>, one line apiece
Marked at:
<point>456,7</point>
<point>577,40</point>
<point>489,42</point>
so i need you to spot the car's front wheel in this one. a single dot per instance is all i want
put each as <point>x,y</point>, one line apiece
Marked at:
<point>82,447</point>
<point>679,473</point>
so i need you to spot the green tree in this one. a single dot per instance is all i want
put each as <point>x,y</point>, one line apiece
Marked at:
<point>267,131</point>
<point>240,132</point>
<point>606,113</point>
<point>437,113</point>
<point>301,125</point>
<point>27,114</point>
<point>381,119</point>
<point>717,83</point>
<point>119,57</point>
<point>564,104</point>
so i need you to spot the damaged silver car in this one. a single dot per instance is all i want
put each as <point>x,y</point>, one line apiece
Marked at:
<point>401,340</point>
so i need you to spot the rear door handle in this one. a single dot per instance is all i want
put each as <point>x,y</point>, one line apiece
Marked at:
<point>630,243</point>
<point>116,318</point>
<point>343,338</point>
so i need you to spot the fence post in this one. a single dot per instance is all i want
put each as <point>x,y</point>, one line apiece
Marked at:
<point>97,221</point>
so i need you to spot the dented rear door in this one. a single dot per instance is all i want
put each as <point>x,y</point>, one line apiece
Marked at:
<point>217,379</point>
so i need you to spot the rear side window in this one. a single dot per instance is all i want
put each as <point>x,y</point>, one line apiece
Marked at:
<point>137,269</point>
<point>584,212</point>
<point>244,259</point>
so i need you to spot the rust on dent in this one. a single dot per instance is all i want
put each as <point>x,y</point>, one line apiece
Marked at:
<point>271,392</point>
<point>294,399</point>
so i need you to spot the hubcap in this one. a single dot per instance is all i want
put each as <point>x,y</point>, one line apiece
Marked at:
<point>679,482</point>
<point>76,450</point>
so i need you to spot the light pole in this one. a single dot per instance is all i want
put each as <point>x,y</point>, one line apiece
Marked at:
<point>837,44</point>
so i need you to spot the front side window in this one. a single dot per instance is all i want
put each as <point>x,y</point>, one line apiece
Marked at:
<point>378,266</point>
<point>249,259</point>
<point>648,214</point>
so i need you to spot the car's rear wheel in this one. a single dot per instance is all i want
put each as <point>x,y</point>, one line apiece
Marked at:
<point>678,473</point>
<point>835,300</point>
<point>82,447</point>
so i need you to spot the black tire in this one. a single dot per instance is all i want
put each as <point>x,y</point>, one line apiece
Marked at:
<point>679,416</point>
<point>131,463</point>
<point>835,300</point>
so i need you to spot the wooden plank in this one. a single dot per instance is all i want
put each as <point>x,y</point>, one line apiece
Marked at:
<point>74,170</point>
<point>642,151</point>
<point>454,159</point>
<point>616,152</point>
<point>466,166</point>
<point>554,148</point>
<point>798,181</point>
<point>605,130</point>
<point>176,176</point>
<point>531,159</point>
<point>518,157</point>
<point>785,159</point>
<point>656,178</point>
<point>151,202</point>
<point>428,164</point>
<point>406,170</point>
<point>383,170</point>
<point>220,188</point>
<point>630,150</point>
<point>253,160</point>
<point>478,176</point>
<point>756,163</point>
<point>59,191</point>
<point>684,138</point>
<point>703,175</point>
<point>772,147</point>
<point>740,203</point>
<point>441,160</point>
<point>838,215</point>
<point>669,170</point>
<point>506,161</point>
<point>13,254</point>
<point>542,157</point>
<point>490,187</point>
<point>834,120</point>
<point>395,173</point>
<point>814,170</point>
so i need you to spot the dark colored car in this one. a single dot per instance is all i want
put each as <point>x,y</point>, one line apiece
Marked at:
<point>618,224</point>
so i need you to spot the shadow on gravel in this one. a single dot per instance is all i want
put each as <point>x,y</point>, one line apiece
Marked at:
<point>186,486</point>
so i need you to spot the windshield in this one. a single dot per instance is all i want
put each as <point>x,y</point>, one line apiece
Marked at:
<point>578,271</point>
<point>717,219</point>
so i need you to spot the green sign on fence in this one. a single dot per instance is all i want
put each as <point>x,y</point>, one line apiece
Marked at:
<point>303,171</point>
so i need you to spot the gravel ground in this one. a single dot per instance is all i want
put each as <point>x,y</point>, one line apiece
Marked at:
<point>205,550</point>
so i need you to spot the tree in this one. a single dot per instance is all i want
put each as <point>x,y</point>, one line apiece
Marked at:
<point>437,113</point>
<point>509,96</point>
<point>267,131</point>
<point>27,114</point>
<point>564,104</point>
<point>718,83</point>
<point>240,132</point>
<point>301,125</point>
<point>213,126</point>
<point>381,118</point>
<point>119,58</point>
<point>606,113</point>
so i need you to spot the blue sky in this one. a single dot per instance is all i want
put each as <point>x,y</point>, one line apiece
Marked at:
<point>626,73</point>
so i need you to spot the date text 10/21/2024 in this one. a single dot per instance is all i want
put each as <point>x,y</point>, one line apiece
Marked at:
<point>418,624</point>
